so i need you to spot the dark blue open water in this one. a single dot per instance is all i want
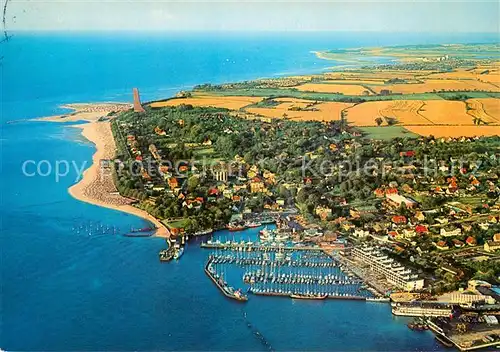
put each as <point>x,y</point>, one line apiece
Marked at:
<point>62,289</point>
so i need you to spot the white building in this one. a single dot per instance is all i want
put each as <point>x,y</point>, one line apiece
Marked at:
<point>220,172</point>
<point>394,273</point>
<point>451,232</point>
<point>360,233</point>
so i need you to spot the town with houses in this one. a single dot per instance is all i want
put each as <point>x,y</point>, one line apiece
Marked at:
<point>417,219</point>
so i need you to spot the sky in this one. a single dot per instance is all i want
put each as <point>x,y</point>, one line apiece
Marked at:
<point>443,16</point>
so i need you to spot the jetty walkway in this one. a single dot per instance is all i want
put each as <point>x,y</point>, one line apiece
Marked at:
<point>254,246</point>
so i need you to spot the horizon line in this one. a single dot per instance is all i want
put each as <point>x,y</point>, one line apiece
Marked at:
<point>163,30</point>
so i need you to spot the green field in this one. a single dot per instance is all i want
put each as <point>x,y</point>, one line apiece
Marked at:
<point>294,93</point>
<point>386,132</point>
<point>204,152</point>
<point>476,95</point>
<point>177,224</point>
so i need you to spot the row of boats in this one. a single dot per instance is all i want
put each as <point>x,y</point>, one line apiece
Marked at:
<point>297,278</point>
<point>308,294</point>
<point>249,246</point>
<point>280,258</point>
<point>227,290</point>
<point>418,324</point>
<point>243,225</point>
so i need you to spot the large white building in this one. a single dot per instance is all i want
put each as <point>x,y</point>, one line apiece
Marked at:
<point>394,273</point>
<point>220,172</point>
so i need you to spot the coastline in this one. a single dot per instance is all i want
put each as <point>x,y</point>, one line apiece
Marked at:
<point>85,112</point>
<point>97,187</point>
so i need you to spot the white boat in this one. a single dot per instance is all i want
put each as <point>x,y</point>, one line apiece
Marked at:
<point>378,299</point>
<point>203,233</point>
<point>179,253</point>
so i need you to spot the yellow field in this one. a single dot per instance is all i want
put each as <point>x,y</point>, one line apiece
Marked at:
<point>365,114</point>
<point>455,131</point>
<point>440,118</point>
<point>458,74</point>
<point>437,85</point>
<point>446,112</point>
<point>411,112</point>
<point>487,74</point>
<point>347,89</point>
<point>406,112</point>
<point>487,110</point>
<point>357,81</point>
<point>328,111</point>
<point>229,102</point>
<point>492,78</point>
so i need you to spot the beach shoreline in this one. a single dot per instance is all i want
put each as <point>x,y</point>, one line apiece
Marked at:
<point>89,112</point>
<point>97,187</point>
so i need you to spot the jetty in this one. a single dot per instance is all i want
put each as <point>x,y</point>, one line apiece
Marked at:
<point>226,290</point>
<point>256,246</point>
<point>229,259</point>
<point>166,255</point>
<point>305,296</point>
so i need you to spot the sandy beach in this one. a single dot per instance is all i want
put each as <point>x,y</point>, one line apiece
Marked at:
<point>97,187</point>
<point>86,112</point>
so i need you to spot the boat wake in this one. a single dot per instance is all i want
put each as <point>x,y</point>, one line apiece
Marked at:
<point>257,333</point>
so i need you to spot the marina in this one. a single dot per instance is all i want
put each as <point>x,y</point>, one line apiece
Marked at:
<point>285,269</point>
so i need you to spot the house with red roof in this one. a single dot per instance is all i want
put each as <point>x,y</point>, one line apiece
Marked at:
<point>393,234</point>
<point>458,243</point>
<point>421,229</point>
<point>442,245</point>
<point>173,183</point>
<point>399,219</point>
<point>471,241</point>
<point>213,192</point>
<point>379,192</point>
<point>409,153</point>
<point>391,190</point>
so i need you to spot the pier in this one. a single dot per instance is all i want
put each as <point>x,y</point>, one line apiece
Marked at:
<point>255,246</point>
<point>290,295</point>
<point>226,290</point>
<point>245,261</point>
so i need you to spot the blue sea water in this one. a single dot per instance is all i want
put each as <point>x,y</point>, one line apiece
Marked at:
<point>63,289</point>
